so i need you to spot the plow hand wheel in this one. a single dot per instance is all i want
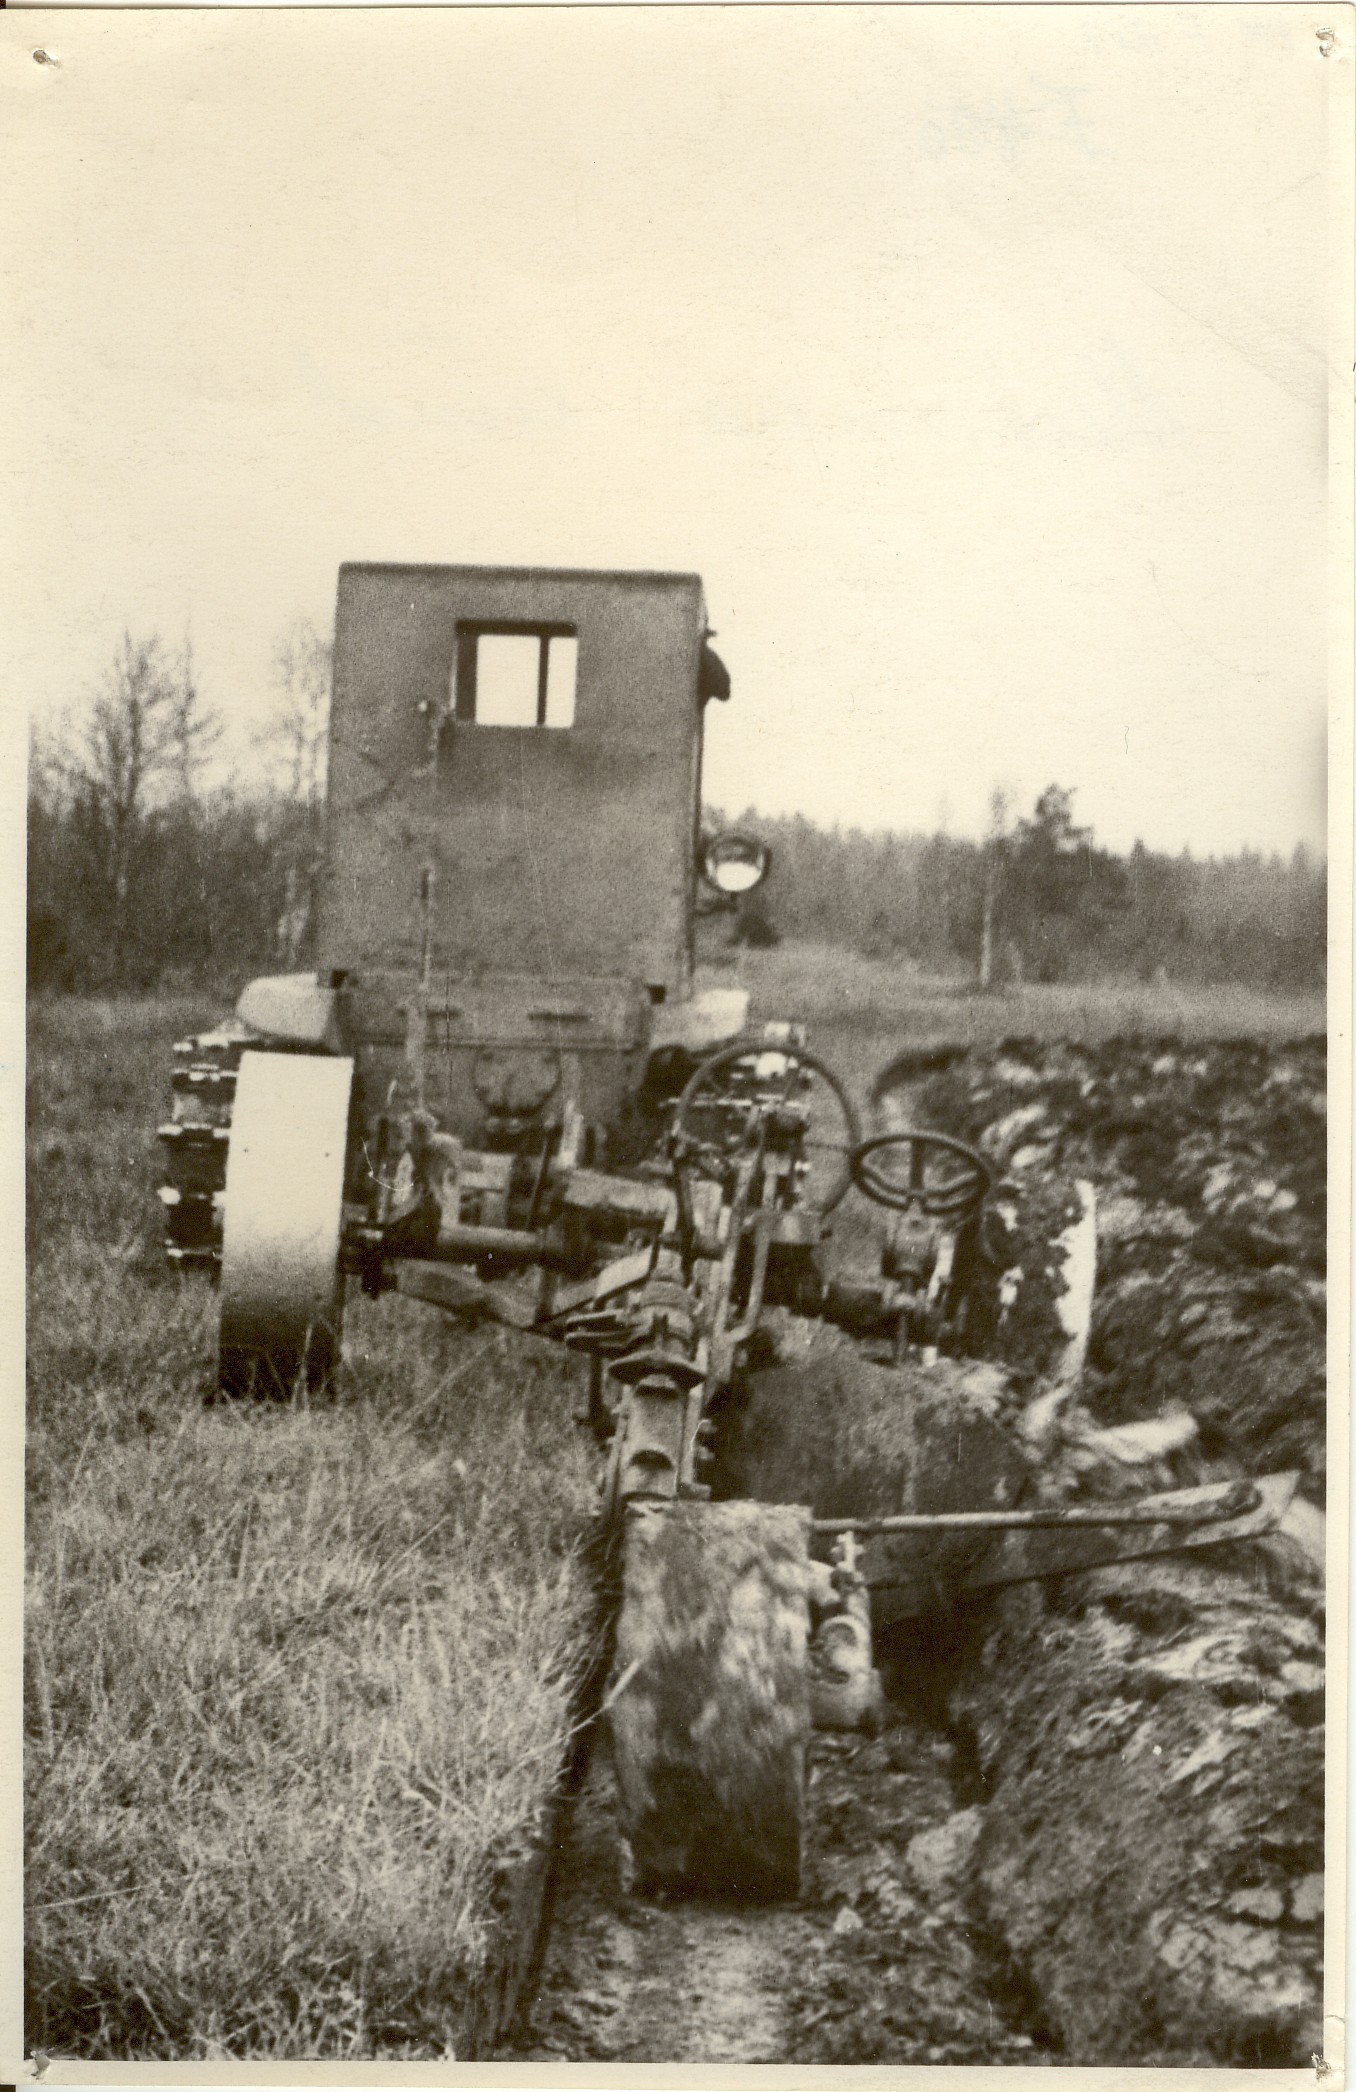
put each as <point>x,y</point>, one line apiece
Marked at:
<point>922,1173</point>
<point>829,1143</point>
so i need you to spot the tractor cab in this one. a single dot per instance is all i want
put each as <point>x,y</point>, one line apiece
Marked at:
<point>512,848</point>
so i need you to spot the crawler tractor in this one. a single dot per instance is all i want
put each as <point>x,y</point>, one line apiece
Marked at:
<point>500,1092</point>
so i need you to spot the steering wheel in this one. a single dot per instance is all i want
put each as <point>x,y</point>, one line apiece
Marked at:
<point>931,1174</point>
<point>828,1144</point>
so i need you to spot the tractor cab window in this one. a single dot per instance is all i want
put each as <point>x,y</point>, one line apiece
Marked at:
<point>514,675</point>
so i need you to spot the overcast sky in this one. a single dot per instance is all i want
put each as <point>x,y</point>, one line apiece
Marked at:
<point>976,358</point>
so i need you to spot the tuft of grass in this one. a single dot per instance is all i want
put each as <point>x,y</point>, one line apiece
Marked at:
<point>299,1690</point>
<point>299,1682</point>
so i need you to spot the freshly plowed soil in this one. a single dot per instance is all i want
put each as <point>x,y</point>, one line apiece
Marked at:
<point>1210,1164</point>
<point>1091,1830</point>
<point>1148,1739</point>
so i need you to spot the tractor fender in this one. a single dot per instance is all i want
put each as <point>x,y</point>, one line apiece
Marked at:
<point>711,1018</point>
<point>294,1008</point>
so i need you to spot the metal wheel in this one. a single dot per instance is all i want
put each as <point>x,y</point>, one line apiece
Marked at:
<point>710,1694</point>
<point>281,1287</point>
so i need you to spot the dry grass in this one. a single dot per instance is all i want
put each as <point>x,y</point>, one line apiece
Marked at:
<point>298,1684</point>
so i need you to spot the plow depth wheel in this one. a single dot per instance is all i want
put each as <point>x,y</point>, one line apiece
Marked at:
<point>281,1289</point>
<point>711,1713</point>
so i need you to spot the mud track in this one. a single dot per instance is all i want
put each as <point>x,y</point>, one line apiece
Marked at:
<point>878,1962</point>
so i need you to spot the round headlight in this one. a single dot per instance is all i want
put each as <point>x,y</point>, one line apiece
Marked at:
<point>734,864</point>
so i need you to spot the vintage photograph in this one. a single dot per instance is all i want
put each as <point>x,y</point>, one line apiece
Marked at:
<point>678,677</point>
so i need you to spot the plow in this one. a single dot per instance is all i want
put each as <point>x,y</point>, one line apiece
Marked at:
<point>500,1092</point>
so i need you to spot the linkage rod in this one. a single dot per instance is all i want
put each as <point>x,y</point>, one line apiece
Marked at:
<point>1233,1502</point>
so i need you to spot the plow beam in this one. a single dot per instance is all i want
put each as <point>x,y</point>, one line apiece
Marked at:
<point>1029,1546</point>
<point>1180,1507</point>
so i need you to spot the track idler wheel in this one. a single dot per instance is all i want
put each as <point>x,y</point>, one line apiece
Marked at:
<point>281,1285</point>
<point>710,1710</point>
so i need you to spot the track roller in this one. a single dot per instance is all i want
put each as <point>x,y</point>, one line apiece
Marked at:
<point>711,1700</point>
<point>281,1285</point>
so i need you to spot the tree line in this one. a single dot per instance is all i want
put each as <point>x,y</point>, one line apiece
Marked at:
<point>144,874</point>
<point>1038,899</point>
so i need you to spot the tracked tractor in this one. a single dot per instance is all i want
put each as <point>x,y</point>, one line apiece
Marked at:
<point>500,1091</point>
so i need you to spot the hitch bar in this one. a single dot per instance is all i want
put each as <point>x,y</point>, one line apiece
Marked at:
<point>1045,1541</point>
<point>1233,1500</point>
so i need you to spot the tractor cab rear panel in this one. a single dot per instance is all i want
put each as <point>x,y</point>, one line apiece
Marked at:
<point>495,1057</point>
<point>508,888</point>
<point>514,775</point>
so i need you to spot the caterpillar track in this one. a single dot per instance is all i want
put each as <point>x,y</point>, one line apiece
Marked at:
<point>195,1140</point>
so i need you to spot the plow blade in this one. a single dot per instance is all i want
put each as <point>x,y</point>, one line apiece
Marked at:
<point>901,1586</point>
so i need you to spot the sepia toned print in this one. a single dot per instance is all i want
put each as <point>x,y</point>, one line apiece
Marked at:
<point>678,1184</point>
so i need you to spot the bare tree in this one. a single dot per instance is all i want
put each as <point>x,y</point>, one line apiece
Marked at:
<point>120,766</point>
<point>138,750</point>
<point>296,733</point>
<point>995,858</point>
<point>192,729</point>
<point>296,738</point>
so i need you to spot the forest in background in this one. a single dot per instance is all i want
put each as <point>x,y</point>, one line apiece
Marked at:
<point>145,875</point>
<point>1040,900</point>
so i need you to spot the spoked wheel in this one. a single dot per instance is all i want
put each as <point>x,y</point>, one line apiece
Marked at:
<point>281,1286</point>
<point>708,1125</point>
<point>711,1708</point>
